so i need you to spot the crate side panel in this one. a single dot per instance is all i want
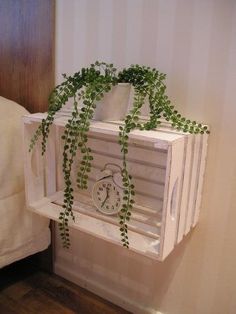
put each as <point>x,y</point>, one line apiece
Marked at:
<point>185,188</point>
<point>193,182</point>
<point>201,177</point>
<point>171,198</point>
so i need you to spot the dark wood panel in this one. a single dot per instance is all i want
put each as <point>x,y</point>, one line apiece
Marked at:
<point>27,31</point>
<point>40,292</point>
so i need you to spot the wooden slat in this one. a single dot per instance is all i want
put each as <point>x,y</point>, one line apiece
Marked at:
<point>33,167</point>
<point>152,191</point>
<point>141,171</point>
<point>50,164</point>
<point>201,177</point>
<point>137,153</point>
<point>143,244</point>
<point>141,199</point>
<point>148,176</point>
<point>193,181</point>
<point>185,187</point>
<point>167,132</point>
<point>150,138</point>
<point>172,194</point>
<point>138,223</point>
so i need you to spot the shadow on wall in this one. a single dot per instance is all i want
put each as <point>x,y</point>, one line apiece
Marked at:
<point>119,275</point>
<point>163,273</point>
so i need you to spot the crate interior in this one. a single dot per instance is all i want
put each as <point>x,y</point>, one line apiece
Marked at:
<point>158,164</point>
<point>147,166</point>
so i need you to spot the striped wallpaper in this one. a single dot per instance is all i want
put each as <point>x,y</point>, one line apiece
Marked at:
<point>194,43</point>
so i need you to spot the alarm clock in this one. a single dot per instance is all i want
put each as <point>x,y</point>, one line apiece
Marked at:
<point>107,192</point>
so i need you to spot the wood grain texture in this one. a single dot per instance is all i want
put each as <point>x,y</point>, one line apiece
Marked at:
<point>36,292</point>
<point>27,30</point>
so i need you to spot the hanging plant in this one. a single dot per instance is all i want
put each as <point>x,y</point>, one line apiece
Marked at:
<point>88,86</point>
<point>147,83</point>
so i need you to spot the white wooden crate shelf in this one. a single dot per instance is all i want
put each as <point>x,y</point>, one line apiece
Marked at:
<point>167,168</point>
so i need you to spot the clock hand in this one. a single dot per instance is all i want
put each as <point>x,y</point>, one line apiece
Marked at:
<point>107,189</point>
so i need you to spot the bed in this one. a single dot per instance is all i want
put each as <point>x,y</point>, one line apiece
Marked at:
<point>22,233</point>
<point>27,32</point>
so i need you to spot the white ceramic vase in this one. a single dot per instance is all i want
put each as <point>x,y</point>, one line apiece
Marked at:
<point>114,104</point>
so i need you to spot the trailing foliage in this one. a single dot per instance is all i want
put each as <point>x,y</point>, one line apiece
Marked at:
<point>148,83</point>
<point>88,86</point>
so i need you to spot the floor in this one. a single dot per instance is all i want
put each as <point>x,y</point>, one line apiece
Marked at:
<point>26,290</point>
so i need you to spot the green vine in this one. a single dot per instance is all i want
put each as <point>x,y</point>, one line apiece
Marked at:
<point>89,86</point>
<point>149,83</point>
<point>131,122</point>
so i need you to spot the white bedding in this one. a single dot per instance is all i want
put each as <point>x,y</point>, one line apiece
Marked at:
<point>22,233</point>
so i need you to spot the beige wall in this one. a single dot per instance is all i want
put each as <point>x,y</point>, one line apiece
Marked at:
<point>194,42</point>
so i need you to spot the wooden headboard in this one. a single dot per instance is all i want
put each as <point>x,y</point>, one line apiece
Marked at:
<point>27,32</point>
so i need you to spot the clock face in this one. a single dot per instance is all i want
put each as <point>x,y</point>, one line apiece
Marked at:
<point>107,196</point>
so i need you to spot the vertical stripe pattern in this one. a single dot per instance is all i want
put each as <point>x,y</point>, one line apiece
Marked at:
<point>194,42</point>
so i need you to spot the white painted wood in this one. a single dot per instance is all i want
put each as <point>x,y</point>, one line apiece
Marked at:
<point>185,188</point>
<point>159,140</point>
<point>136,152</point>
<point>50,163</point>
<point>167,168</point>
<point>140,222</point>
<point>195,158</point>
<point>184,201</point>
<point>140,241</point>
<point>33,166</point>
<point>170,213</point>
<point>201,171</point>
